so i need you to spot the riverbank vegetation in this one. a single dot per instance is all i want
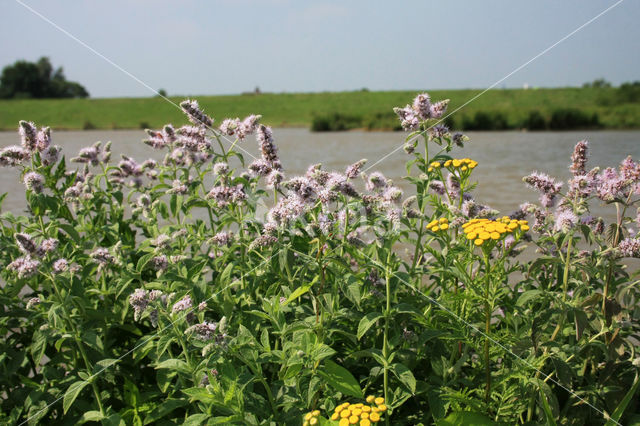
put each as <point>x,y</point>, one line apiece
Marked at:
<point>211,288</point>
<point>534,109</point>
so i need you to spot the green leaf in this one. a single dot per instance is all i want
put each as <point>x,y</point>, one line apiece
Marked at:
<point>38,347</point>
<point>72,393</point>
<point>113,420</point>
<point>226,274</point>
<point>142,262</point>
<point>292,371</point>
<point>71,231</point>
<point>467,418</point>
<point>615,417</point>
<point>366,322</point>
<point>195,420</point>
<point>527,296</point>
<point>297,293</point>
<point>405,376</point>
<point>340,379</point>
<point>199,394</point>
<point>174,364</point>
<point>163,409</point>
<point>91,416</point>
<point>545,407</point>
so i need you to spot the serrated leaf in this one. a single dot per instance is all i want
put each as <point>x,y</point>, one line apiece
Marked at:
<point>340,379</point>
<point>91,416</point>
<point>163,409</point>
<point>465,418</point>
<point>527,296</point>
<point>195,420</point>
<point>366,322</point>
<point>405,376</point>
<point>173,364</point>
<point>72,393</point>
<point>298,292</point>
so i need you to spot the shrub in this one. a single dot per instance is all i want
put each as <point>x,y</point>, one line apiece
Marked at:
<point>335,122</point>
<point>571,118</point>
<point>486,121</point>
<point>139,293</point>
<point>535,121</point>
<point>629,92</point>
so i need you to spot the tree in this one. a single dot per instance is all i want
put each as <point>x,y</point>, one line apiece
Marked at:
<point>599,83</point>
<point>26,79</point>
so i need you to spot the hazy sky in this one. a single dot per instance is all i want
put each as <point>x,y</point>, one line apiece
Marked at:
<point>230,46</point>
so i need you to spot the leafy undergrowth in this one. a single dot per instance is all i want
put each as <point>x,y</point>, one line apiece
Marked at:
<point>139,293</point>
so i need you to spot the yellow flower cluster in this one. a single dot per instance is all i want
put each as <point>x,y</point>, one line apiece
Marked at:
<point>360,414</point>
<point>436,225</point>
<point>311,418</point>
<point>481,230</point>
<point>462,164</point>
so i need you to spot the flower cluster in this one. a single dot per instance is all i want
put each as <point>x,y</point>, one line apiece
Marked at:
<point>546,185</point>
<point>436,225</point>
<point>454,165</point>
<point>482,230</point>
<point>422,109</point>
<point>195,113</point>
<point>360,414</point>
<point>94,154</point>
<point>311,418</point>
<point>239,128</point>
<point>629,247</point>
<point>225,195</point>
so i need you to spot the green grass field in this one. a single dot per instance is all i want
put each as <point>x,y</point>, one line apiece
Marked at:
<point>299,109</point>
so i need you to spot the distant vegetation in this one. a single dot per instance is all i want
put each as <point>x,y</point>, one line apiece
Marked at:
<point>596,106</point>
<point>37,80</point>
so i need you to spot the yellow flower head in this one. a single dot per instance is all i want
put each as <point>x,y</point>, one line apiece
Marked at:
<point>436,225</point>
<point>356,414</point>
<point>481,230</point>
<point>311,418</point>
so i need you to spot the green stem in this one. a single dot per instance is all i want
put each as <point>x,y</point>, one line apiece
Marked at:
<point>487,326</point>
<point>385,343</point>
<point>565,284</point>
<point>605,293</point>
<point>83,354</point>
<point>94,386</point>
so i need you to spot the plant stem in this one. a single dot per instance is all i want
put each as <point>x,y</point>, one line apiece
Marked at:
<point>615,241</point>
<point>385,343</point>
<point>487,325</point>
<point>96,393</point>
<point>565,285</point>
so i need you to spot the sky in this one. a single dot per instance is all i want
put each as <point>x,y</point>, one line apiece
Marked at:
<point>198,47</point>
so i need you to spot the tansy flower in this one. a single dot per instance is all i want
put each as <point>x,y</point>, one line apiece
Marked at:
<point>455,164</point>
<point>359,414</point>
<point>482,230</point>
<point>311,418</point>
<point>436,225</point>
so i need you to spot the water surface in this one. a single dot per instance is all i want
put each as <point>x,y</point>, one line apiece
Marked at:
<point>504,157</point>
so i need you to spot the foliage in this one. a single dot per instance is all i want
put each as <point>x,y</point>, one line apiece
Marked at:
<point>26,79</point>
<point>572,118</point>
<point>486,121</point>
<point>629,92</point>
<point>139,293</point>
<point>299,109</point>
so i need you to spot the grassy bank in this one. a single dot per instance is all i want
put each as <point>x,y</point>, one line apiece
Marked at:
<point>496,109</point>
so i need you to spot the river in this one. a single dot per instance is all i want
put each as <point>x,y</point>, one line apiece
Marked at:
<point>503,157</point>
